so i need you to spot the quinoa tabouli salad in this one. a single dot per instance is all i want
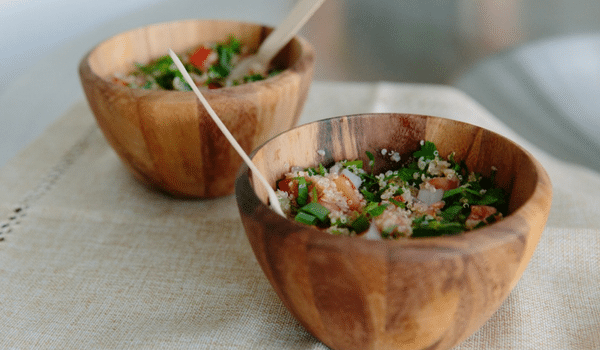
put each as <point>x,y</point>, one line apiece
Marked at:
<point>209,66</point>
<point>428,196</point>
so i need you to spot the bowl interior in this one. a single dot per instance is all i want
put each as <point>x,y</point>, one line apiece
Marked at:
<point>141,45</point>
<point>350,137</point>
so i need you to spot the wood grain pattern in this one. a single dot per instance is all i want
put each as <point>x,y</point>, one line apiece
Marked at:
<point>166,138</point>
<point>425,293</point>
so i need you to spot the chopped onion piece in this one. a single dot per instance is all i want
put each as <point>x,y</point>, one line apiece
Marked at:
<point>335,168</point>
<point>372,233</point>
<point>429,197</point>
<point>355,179</point>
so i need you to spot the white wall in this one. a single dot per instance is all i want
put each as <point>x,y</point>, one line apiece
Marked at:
<point>30,29</point>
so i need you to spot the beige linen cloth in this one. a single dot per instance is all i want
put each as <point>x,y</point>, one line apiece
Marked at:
<point>91,259</point>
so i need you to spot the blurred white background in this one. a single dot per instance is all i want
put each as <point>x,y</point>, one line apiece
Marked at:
<point>410,40</point>
<point>457,42</point>
<point>33,28</point>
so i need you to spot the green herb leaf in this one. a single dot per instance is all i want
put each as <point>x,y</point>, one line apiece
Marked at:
<point>317,210</point>
<point>314,194</point>
<point>275,72</point>
<point>388,231</point>
<point>217,72</point>
<point>378,210</point>
<point>427,151</point>
<point>451,212</point>
<point>492,196</point>
<point>397,203</point>
<point>406,174</point>
<point>166,80</point>
<point>435,228</point>
<point>452,192</point>
<point>371,159</point>
<point>311,171</point>
<point>148,85</point>
<point>357,163</point>
<point>369,196</point>
<point>306,218</point>
<point>302,192</point>
<point>361,224</point>
<point>253,77</point>
<point>322,171</point>
<point>370,206</point>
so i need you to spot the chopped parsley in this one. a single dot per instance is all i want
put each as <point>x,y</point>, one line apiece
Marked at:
<point>453,200</point>
<point>209,66</point>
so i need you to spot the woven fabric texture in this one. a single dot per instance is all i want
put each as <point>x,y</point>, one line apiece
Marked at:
<point>92,259</point>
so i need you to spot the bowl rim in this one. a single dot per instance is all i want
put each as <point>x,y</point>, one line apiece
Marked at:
<point>476,240</point>
<point>304,62</point>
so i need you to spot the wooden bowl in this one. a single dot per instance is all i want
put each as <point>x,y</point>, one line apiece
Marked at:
<point>166,138</point>
<point>420,293</point>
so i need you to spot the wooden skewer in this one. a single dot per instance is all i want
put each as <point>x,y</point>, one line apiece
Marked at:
<point>284,32</point>
<point>274,201</point>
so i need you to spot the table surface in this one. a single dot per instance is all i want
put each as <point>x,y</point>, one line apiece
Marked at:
<point>90,258</point>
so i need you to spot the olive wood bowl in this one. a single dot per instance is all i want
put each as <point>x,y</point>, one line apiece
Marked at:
<point>419,293</point>
<point>167,138</point>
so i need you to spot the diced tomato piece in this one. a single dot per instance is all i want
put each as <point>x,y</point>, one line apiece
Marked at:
<point>288,185</point>
<point>482,211</point>
<point>349,191</point>
<point>200,56</point>
<point>403,198</point>
<point>478,214</point>
<point>444,183</point>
